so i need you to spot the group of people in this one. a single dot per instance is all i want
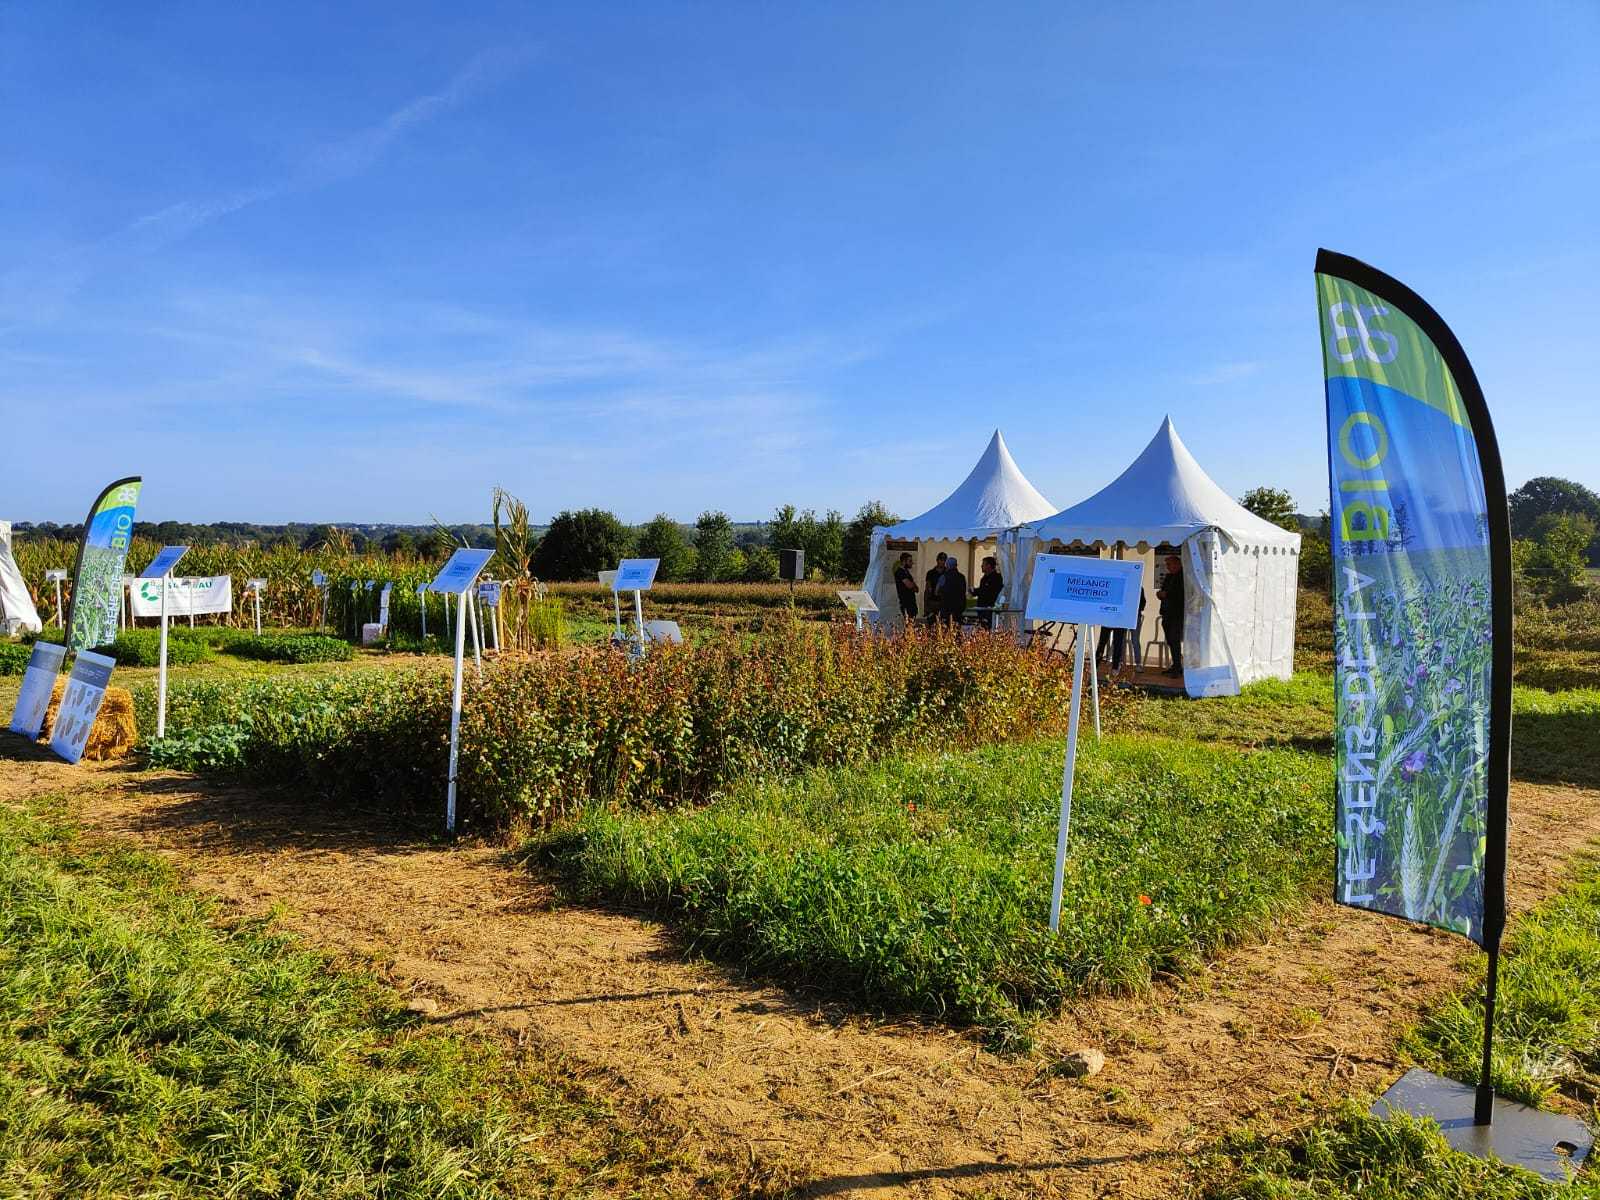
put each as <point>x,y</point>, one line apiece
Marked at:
<point>944,593</point>
<point>944,589</point>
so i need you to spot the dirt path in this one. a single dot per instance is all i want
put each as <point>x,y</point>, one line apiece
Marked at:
<point>796,1091</point>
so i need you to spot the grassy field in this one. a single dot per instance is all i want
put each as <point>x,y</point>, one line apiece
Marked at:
<point>1547,1047</point>
<point>146,1049</point>
<point>923,884</point>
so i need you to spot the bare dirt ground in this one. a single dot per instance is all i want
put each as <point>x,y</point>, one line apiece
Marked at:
<point>777,1086</point>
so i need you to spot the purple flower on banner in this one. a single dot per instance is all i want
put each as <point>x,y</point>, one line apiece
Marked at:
<point>1410,700</point>
<point>1454,686</point>
<point>1411,766</point>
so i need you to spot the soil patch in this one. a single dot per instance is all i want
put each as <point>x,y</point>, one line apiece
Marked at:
<point>782,1086</point>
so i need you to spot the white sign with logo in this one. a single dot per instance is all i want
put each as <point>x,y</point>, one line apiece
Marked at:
<point>80,704</point>
<point>195,597</point>
<point>34,698</point>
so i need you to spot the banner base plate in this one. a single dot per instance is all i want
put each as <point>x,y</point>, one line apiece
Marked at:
<point>1548,1144</point>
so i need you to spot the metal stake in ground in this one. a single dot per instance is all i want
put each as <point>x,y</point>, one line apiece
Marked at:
<point>160,569</point>
<point>456,578</point>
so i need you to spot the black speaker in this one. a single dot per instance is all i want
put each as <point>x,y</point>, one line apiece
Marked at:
<point>792,565</point>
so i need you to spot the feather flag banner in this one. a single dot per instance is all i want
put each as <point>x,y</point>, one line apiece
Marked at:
<point>1422,610</point>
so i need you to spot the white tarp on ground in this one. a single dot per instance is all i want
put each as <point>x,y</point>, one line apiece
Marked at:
<point>195,596</point>
<point>17,613</point>
<point>1241,570</point>
<point>994,497</point>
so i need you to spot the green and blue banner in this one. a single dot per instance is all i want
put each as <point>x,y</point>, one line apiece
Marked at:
<point>1422,610</point>
<point>97,577</point>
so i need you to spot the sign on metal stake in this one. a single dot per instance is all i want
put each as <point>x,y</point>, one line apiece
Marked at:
<point>456,578</point>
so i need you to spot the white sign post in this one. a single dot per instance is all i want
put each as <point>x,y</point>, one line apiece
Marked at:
<point>1078,590</point>
<point>44,664</point>
<point>57,577</point>
<point>422,602</point>
<point>608,580</point>
<point>256,586</point>
<point>636,575</point>
<point>859,603</point>
<point>320,582</point>
<point>489,591</point>
<point>456,578</point>
<point>80,704</point>
<point>160,569</point>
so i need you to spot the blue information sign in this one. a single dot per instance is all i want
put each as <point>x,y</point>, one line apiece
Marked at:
<point>457,575</point>
<point>162,564</point>
<point>635,574</point>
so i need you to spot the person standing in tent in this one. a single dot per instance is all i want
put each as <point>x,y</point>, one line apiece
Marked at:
<point>930,588</point>
<point>905,586</point>
<point>952,593</point>
<point>1171,597</point>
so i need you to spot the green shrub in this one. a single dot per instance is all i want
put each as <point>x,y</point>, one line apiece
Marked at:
<point>14,657</point>
<point>924,884</point>
<point>142,648</point>
<point>541,734</point>
<point>296,648</point>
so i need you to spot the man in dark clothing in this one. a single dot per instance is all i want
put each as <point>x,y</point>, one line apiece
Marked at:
<point>952,594</point>
<point>905,586</point>
<point>1171,597</point>
<point>930,589</point>
<point>989,584</point>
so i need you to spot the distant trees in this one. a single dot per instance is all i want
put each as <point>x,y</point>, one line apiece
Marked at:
<point>822,539</point>
<point>662,537</point>
<point>1272,504</point>
<point>856,547</point>
<point>713,546</point>
<point>579,544</point>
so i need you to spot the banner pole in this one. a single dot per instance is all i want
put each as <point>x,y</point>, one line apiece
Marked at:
<point>1483,1105</point>
<point>1066,783</point>
<point>455,726</point>
<point>161,684</point>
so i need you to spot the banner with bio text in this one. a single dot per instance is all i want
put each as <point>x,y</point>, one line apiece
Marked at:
<point>1416,608</point>
<point>198,596</point>
<point>97,578</point>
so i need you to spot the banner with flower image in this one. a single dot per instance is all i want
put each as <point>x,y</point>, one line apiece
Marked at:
<point>1421,590</point>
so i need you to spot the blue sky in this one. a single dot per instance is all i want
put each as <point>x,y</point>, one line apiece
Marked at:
<point>364,262</point>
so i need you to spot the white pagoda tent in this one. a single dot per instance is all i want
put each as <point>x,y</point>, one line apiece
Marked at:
<point>994,497</point>
<point>1242,571</point>
<point>17,614</point>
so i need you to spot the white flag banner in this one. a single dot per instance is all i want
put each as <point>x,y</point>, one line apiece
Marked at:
<point>198,596</point>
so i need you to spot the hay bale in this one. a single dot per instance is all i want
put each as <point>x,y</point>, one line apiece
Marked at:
<point>115,730</point>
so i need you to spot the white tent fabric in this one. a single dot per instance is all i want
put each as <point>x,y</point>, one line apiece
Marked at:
<point>1241,570</point>
<point>17,614</point>
<point>994,497</point>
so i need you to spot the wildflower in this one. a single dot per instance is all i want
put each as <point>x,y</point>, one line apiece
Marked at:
<point>1411,766</point>
<point>1143,899</point>
<point>1454,686</point>
<point>1410,700</point>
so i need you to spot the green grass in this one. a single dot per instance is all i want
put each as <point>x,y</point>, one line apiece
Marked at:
<point>924,884</point>
<point>148,1050</point>
<point>1547,1042</point>
<point>1555,735</point>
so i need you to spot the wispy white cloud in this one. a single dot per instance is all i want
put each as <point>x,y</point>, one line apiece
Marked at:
<point>1228,372</point>
<point>41,290</point>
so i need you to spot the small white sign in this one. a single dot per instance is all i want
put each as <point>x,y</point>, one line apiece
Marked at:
<point>318,579</point>
<point>859,602</point>
<point>458,574</point>
<point>56,576</point>
<point>1087,591</point>
<point>37,682</point>
<point>608,579</point>
<point>383,605</point>
<point>166,558</point>
<point>80,704</point>
<point>635,574</point>
<point>663,631</point>
<point>489,591</point>
<point>255,585</point>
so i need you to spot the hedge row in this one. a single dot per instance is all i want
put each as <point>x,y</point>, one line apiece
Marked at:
<point>542,734</point>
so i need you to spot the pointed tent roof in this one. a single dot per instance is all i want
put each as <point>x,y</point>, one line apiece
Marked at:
<point>995,496</point>
<point>1163,496</point>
